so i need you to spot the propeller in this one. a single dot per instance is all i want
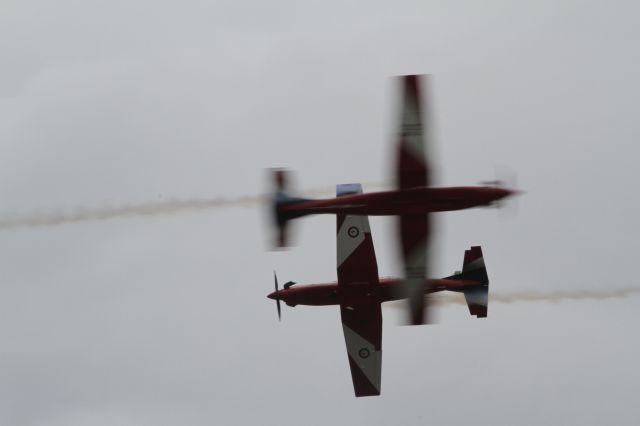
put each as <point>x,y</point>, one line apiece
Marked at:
<point>506,178</point>
<point>275,278</point>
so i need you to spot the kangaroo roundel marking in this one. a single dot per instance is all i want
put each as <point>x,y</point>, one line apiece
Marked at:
<point>353,231</point>
<point>364,353</point>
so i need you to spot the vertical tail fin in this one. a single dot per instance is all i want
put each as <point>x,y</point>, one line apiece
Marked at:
<point>477,297</point>
<point>474,269</point>
<point>280,199</point>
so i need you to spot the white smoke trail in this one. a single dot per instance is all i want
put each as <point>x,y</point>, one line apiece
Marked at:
<point>563,295</point>
<point>531,296</point>
<point>83,214</point>
<point>166,207</point>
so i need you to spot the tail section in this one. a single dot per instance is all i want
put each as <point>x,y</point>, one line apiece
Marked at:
<point>474,269</point>
<point>281,199</point>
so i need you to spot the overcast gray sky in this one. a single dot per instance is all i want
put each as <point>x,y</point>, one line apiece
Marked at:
<point>163,320</point>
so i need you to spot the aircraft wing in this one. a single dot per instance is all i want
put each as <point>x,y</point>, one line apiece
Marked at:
<point>356,258</point>
<point>361,318</point>
<point>412,171</point>
<point>362,327</point>
<point>412,167</point>
<point>414,234</point>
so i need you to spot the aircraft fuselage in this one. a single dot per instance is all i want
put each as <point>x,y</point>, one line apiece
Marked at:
<point>422,200</point>
<point>386,290</point>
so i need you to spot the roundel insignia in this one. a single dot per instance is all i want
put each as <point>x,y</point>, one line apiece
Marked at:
<point>364,353</point>
<point>353,231</point>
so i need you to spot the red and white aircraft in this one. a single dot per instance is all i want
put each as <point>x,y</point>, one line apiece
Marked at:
<point>360,292</point>
<point>412,201</point>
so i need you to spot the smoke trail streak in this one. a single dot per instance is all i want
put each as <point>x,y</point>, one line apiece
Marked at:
<point>530,296</point>
<point>82,214</point>
<point>563,295</point>
<point>166,207</point>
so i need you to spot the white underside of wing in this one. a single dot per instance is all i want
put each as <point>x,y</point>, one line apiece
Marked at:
<point>350,236</point>
<point>363,352</point>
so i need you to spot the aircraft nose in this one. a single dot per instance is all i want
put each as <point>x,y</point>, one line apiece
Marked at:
<point>513,192</point>
<point>273,295</point>
<point>504,193</point>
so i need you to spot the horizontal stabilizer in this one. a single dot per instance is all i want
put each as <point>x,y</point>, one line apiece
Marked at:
<point>477,299</point>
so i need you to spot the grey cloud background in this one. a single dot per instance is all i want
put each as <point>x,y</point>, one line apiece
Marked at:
<point>163,320</point>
